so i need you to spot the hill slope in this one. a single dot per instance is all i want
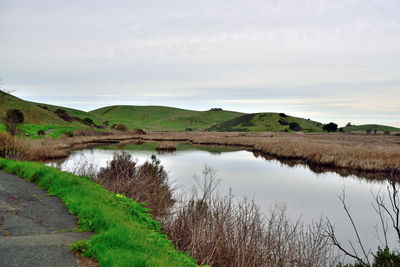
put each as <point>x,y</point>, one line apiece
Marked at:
<point>163,118</point>
<point>32,112</point>
<point>372,127</point>
<point>259,122</point>
<point>74,112</point>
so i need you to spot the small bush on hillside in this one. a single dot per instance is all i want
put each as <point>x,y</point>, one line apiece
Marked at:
<point>88,121</point>
<point>283,122</point>
<point>13,118</point>
<point>283,115</point>
<point>63,115</point>
<point>294,126</point>
<point>330,127</point>
<point>121,127</point>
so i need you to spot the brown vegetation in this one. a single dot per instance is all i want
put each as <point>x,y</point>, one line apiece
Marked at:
<point>219,231</point>
<point>353,152</point>
<point>144,183</point>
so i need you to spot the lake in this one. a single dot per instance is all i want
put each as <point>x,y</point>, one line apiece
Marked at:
<point>306,194</point>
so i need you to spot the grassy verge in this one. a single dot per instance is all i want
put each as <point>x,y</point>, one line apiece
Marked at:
<point>32,129</point>
<point>126,235</point>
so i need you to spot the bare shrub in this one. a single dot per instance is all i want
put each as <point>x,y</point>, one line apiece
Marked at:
<point>220,231</point>
<point>12,147</point>
<point>147,183</point>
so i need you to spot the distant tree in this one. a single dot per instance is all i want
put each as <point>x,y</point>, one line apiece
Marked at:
<point>375,131</point>
<point>13,118</point>
<point>368,131</point>
<point>349,124</point>
<point>330,127</point>
<point>294,126</point>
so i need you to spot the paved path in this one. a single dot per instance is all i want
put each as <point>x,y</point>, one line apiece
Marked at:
<point>32,226</point>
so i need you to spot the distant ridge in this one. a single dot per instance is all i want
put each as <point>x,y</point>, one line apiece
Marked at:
<point>162,118</point>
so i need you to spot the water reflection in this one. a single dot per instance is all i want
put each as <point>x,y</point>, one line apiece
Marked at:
<point>308,192</point>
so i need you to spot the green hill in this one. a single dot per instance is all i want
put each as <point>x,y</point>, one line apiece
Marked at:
<point>274,122</point>
<point>372,127</point>
<point>74,112</point>
<point>163,118</point>
<point>33,114</point>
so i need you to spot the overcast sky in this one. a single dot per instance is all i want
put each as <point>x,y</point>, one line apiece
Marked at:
<point>328,60</point>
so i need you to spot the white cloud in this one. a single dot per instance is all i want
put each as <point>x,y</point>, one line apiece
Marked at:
<point>342,54</point>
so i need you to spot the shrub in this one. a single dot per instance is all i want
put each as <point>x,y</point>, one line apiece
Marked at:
<point>147,183</point>
<point>283,122</point>
<point>41,133</point>
<point>283,115</point>
<point>63,115</point>
<point>330,127</point>
<point>88,121</point>
<point>294,126</point>
<point>386,132</point>
<point>385,258</point>
<point>121,127</point>
<point>14,117</point>
<point>13,148</point>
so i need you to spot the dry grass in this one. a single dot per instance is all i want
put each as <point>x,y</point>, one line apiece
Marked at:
<point>360,152</point>
<point>376,153</point>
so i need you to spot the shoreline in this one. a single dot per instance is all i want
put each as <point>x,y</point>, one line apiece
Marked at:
<point>366,155</point>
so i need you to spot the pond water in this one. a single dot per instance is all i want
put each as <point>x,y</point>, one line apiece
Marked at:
<point>306,194</point>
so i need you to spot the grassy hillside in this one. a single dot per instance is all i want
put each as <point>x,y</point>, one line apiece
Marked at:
<point>372,127</point>
<point>163,118</point>
<point>259,122</point>
<point>74,112</point>
<point>32,113</point>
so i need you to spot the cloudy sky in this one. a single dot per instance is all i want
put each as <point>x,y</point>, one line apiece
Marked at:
<point>328,60</point>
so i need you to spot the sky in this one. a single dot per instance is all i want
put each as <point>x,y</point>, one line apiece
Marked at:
<point>328,60</point>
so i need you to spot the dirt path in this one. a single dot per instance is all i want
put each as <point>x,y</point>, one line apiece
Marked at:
<point>35,229</point>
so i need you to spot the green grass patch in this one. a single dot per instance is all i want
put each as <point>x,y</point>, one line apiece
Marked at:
<point>265,122</point>
<point>56,131</point>
<point>125,233</point>
<point>159,118</point>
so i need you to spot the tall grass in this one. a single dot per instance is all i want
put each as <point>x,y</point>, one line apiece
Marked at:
<point>125,233</point>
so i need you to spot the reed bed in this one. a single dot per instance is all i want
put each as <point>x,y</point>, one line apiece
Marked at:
<point>370,153</point>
